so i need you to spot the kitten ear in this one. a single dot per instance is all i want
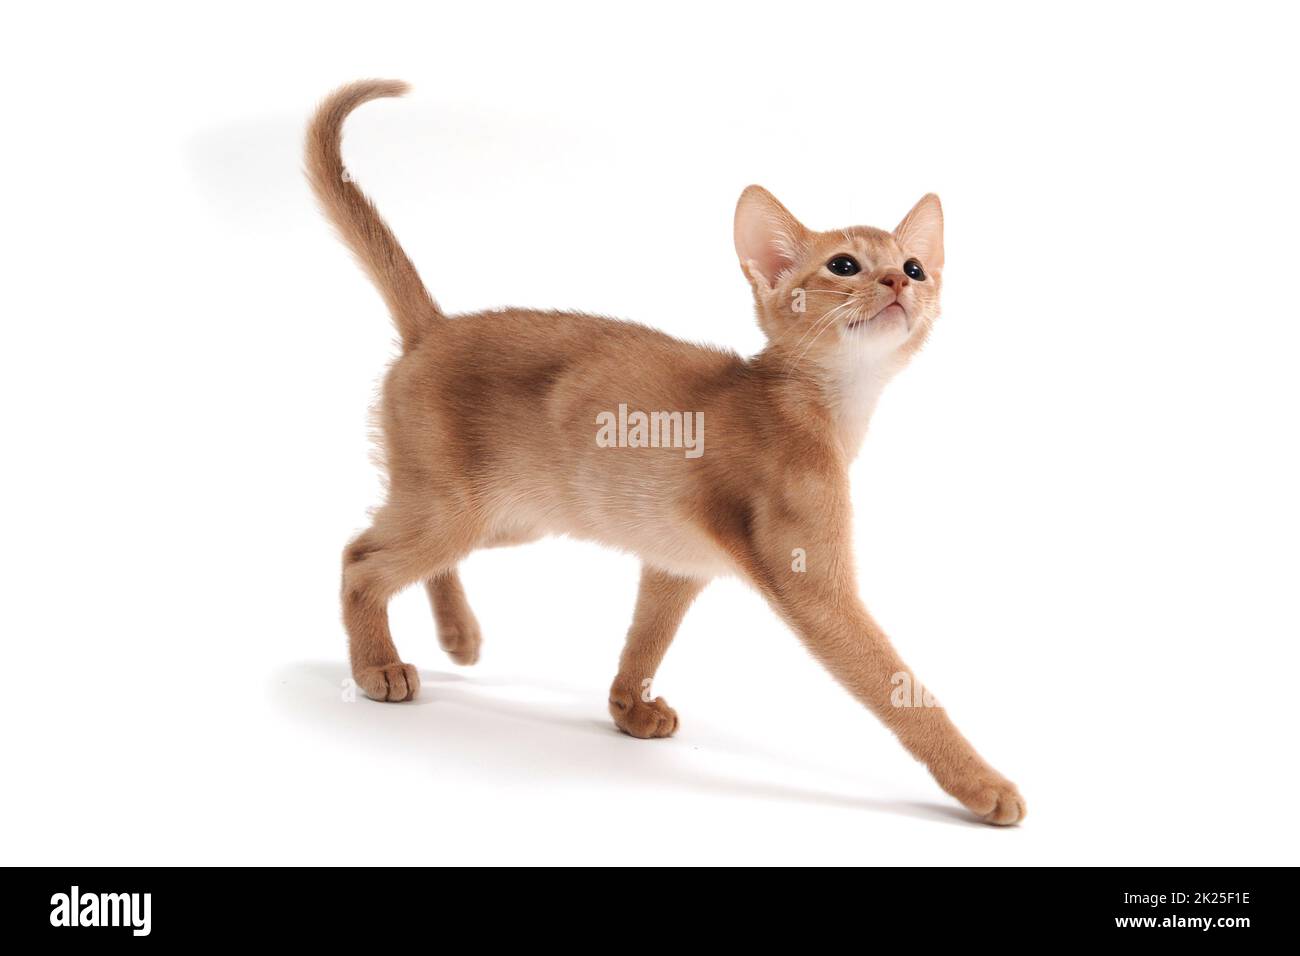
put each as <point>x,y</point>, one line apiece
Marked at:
<point>768,238</point>
<point>921,232</point>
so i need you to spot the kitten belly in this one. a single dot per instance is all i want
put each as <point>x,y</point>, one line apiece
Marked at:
<point>632,505</point>
<point>646,529</point>
<point>675,549</point>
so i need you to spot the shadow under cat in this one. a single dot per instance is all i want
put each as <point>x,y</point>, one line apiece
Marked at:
<point>509,732</point>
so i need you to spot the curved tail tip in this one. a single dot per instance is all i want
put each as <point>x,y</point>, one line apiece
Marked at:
<point>373,89</point>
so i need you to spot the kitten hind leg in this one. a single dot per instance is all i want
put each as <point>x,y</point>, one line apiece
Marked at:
<point>396,551</point>
<point>458,631</point>
<point>661,603</point>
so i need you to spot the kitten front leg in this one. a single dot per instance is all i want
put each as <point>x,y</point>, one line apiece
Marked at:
<point>816,594</point>
<point>661,603</point>
<point>845,638</point>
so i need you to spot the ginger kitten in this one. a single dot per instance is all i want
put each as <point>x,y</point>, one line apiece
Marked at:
<point>498,426</point>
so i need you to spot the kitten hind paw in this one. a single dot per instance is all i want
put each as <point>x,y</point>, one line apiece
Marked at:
<point>644,719</point>
<point>460,637</point>
<point>461,641</point>
<point>389,682</point>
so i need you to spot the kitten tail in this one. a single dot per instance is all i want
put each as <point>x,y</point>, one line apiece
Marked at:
<point>355,217</point>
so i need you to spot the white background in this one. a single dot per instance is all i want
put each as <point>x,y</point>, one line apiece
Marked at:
<point>1076,512</point>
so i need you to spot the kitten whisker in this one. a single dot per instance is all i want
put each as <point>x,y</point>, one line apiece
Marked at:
<point>824,319</point>
<point>824,327</point>
<point>818,327</point>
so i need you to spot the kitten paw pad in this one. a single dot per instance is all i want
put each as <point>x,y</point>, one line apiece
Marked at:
<point>389,682</point>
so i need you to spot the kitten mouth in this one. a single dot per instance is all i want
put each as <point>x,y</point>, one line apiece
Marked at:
<point>894,310</point>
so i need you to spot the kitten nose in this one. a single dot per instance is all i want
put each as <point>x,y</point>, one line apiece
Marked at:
<point>895,279</point>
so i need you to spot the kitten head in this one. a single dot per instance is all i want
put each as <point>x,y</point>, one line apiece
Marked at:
<point>853,295</point>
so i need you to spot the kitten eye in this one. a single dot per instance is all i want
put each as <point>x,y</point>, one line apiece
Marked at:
<point>914,270</point>
<point>844,266</point>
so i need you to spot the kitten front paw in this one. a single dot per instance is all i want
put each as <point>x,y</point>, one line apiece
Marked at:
<point>644,719</point>
<point>389,682</point>
<point>991,797</point>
